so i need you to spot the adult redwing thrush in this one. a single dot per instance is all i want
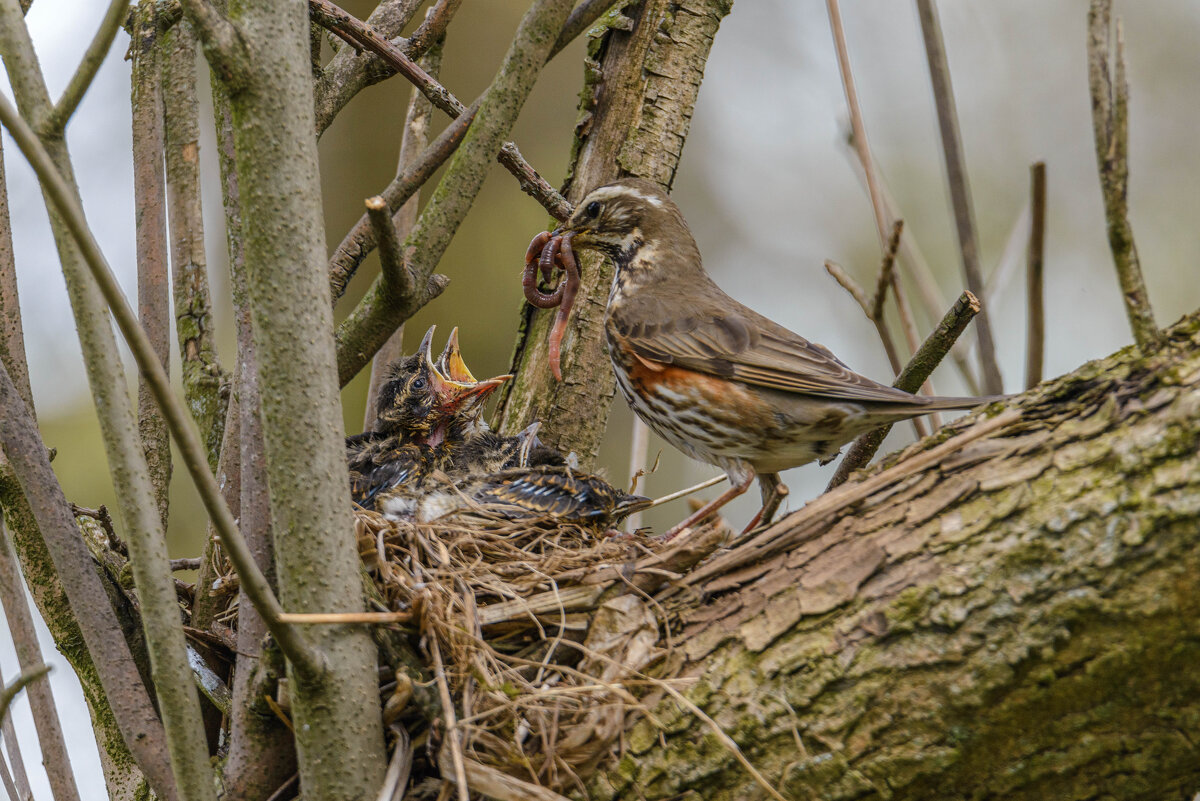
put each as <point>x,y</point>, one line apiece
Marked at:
<point>423,409</point>
<point>717,380</point>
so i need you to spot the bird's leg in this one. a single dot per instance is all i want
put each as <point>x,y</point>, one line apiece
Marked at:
<point>736,489</point>
<point>773,493</point>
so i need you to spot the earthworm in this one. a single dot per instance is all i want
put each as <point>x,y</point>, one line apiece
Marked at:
<point>535,296</point>
<point>546,252</point>
<point>566,257</point>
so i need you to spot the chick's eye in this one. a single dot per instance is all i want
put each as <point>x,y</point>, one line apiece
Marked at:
<point>593,209</point>
<point>419,382</point>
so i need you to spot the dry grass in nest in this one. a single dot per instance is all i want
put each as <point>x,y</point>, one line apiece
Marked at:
<point>537,664</point>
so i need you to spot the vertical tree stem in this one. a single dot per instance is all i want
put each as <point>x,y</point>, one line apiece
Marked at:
<point>960,192</point>
<point>151,237</point>
<point>41,698</point>
<point>1110,124</point>
<point>339,732</point>
<point>205,384</point>
<point>1035,336</point>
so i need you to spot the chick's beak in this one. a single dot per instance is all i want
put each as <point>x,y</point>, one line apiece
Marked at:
<point>451,364</point>
<point>458,397</point>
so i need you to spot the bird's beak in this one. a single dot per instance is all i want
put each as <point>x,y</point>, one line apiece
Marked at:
<point>462,396</point>
<point>456,388</point>
<point>426,347</point>
<point>451,365</point>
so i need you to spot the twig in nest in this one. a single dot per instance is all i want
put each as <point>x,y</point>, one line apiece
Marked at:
<point>453,735</point>
<point>1110,123</point>
<point>396,778</point>
<point>683,493</point>
<point>316,618</point>
<point>930,354</point>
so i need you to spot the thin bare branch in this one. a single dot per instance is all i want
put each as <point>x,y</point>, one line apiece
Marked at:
<point>41,697</point>
<point>917,269</point>
<point>1035,336</point>
<point>93,57</point>
<point>847,282</point>
<point>1110,100</point>
<point>886,272</point>
<point>882,221</point>
<point>361,238</point>
<point>297,649</point>
<point>928,356</point>
<point>432,28</point>
<point>582,17</point>
<point>960,193</point>
<point>12,337</point>
<point>13,688</point>
<point>639,445</point>
<point>360,34</point>
<point>150,220</point>
<point>861,147</point>
<point>10,788</point>
<point>888,279</point>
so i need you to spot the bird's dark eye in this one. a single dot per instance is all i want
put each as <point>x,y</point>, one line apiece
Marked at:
<point>419,382</point>
<point>593,209</point>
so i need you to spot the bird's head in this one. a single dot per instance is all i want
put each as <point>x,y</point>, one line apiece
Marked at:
<point>625,218</point>
<point>420,398</point>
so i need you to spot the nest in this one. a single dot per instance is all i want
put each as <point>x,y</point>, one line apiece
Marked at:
<point>523,634</point>
<point>523,646</point>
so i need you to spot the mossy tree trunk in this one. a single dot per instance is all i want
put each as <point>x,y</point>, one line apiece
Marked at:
<point>1017,621</point>
<point>643,78</point>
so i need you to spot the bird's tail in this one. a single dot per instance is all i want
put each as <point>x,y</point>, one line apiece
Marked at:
<point>939,402</point>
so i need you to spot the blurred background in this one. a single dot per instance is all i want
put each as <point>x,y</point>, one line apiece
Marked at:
<point>766,181</point>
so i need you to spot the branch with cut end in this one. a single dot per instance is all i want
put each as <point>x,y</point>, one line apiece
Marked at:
<point>306,659</point>
<point>932,351</point>
<point>1110,124</point>
<point>960,193</point>
<point>362,237</point>
<point>360,34</point>
<point>1035,336</point>
<point>391,258</point>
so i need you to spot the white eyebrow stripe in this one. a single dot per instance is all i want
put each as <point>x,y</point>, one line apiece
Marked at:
<point>610,193</point>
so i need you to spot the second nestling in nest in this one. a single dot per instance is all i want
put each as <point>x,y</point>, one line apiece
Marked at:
<point>429,455</point>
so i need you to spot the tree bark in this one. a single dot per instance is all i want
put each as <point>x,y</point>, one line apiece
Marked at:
<point>638,100</point>
<point>339,731</point>
<point>1018,620</point>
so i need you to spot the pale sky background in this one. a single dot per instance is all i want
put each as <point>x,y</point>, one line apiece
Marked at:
<point>765,182</point>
